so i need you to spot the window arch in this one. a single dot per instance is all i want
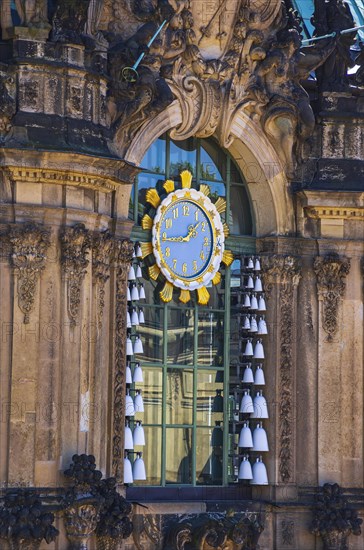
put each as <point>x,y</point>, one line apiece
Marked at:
<point>191,353</point>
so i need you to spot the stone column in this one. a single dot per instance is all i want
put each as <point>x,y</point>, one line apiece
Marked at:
<point>281,274</point>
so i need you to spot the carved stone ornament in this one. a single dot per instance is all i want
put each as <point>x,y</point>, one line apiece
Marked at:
<point>29,244</point>
<point>25,521</point>
<point>7,102</point>
<point>80,523</point>
<point>94,507</point>
<point>331,271</point>
<point>284,271</point>
<point>334,520</point>
<point>75,242</point>
<point>248,60</point>
<point>102,248</point>
<point>123,257</point>
<point>205,531</point>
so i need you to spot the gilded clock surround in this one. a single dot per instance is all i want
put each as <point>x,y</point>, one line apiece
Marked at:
<point>209,271</point>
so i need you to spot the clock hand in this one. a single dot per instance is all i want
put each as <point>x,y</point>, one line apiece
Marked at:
<point>191,232</point>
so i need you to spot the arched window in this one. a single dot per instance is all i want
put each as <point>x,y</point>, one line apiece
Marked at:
<point>192,358</point>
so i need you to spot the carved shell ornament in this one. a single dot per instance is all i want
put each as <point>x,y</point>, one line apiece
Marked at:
<point>187,239</point>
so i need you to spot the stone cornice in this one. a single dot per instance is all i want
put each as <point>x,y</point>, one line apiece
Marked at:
<point>339,213</point>
<point>66,168</point>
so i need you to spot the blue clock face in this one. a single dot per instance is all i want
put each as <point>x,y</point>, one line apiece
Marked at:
<point>186,239</point>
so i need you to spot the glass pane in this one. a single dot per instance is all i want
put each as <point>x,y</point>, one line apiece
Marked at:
<point>235,175</point>
<point>151,335</point>
<point>131,203</point>
<point>213,161</point>
<point>145,182</point>
<point>240,220</point>
<point>179,455</point>
<point>155,158</point>
<point>217,189</point>
<point>210,338</point>
<point>209,397</point>
<point>180,336</point>
<point>179,396</point>
<point>209,456</point>
<point>183,157</point>
<point>152,393</point>
<point>152,456</point>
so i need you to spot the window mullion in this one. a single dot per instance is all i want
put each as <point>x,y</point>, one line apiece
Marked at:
<point>226,363</point>
<point>194,418</point>
<point>164,392</point>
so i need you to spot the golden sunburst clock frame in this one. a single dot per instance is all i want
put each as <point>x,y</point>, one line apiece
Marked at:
<point>156,249</point>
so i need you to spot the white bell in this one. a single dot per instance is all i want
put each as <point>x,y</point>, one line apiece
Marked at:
<point>259,473</point>
<point>141,292</point>
<point>134,318</point>
<point>138,273</point>
<point>250,283</point>
<point>131,274</point>
<point>258,285</point>
<point>262,326</point>
<point>257,265</point>
<point>259,379</point>
<point>138,346</point>
<point>128,320</point>
<point>141,317</point>
<point>128,474</point>
<point>258,350</point>
<point>260,406</point>
<point>138,251</point>
<point>250,263</point>
<point>138,434</point>
<point>246,405</point>
<point>253,302</point>
<point>248,377</point>
<point>260,440</point>
<point>245,437</point>
<point>253,324</point>
<point>129,444</point>
<point>246,323</point>
<point>245,469</point>
<point>128,296</point>
<point>129,347</point>
<point>129,405</point>
<point>247,300</point>
<point>261,304</point>
<point>139,468</point>
<point>249,348</point>
<point>138,402</point>
<point>134,293</point>
<point>128,378</point>
<point>138,373</point>
<point>134,255</point>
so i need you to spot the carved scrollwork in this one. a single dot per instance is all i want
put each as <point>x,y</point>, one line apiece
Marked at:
<point>80,522</point>
<point>284,271</point>
<point>123,257</point>
<point>75,243</point>
<point>331,271</point>
<point>102,247</point>
<point>29,244</point>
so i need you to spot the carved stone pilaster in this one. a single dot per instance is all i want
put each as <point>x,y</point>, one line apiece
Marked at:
<point>29,244</point>
<point>75,242</point>
<point>331,271</point>
<point>102,246</point>
<point>123,257</point>
<point>284,271</point>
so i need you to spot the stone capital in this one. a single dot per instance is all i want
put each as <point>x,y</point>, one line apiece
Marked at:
<point>75,243</point>
<point>29,244</point>
<point>279,269</point>
<point>331,271</point>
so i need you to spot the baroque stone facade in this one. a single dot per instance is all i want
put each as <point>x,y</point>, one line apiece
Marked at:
<point>85,89</point>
